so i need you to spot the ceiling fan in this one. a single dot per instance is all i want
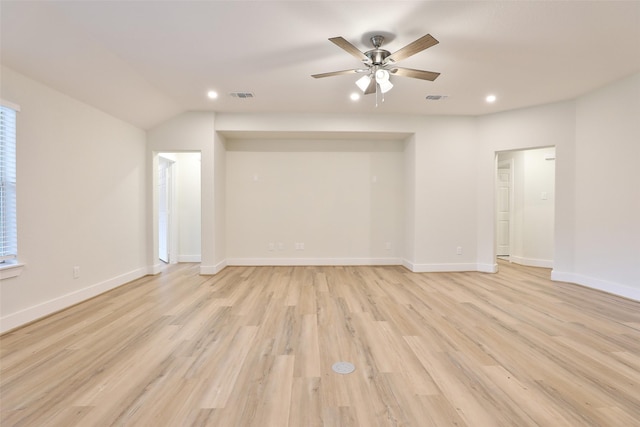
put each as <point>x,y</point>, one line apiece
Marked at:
<point>380,63</point>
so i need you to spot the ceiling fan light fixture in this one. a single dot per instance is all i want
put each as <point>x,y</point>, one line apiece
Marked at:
<point>382,76</point>
<point>363,82</point>
<point>385,85</point>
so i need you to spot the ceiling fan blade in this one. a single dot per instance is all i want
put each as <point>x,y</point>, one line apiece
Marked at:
<point>334,73</point>
<point>349,48</point>
<point>416,74</point>
<point>371,88</point>
<point>424,42</point>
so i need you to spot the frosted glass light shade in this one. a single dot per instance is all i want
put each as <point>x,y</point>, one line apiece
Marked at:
<point>382,76</point>
<point>385,85</point>
<point>363,82</point>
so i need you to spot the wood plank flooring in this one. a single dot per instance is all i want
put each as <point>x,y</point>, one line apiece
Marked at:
<point>254,346</point>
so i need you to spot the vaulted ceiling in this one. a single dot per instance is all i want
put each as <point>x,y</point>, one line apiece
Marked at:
<point>145,61</point>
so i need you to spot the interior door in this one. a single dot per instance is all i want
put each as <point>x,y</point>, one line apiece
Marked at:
<point>503,212</point>
<point>164,207</point>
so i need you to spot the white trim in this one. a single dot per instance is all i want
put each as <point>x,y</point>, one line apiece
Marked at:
<point>446,268</point>
<point>9,104</point>
<point>156,268</point>
<point>312,261</point>
<point>29,314</point>
<point>189,258</point>
<point>531,262</point>
<point>210,270</point>
<point>599,284</point>
<point>487,268</point>
<point>8,270</point>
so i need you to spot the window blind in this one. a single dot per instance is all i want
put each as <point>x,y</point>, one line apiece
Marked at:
<point>8,226</point>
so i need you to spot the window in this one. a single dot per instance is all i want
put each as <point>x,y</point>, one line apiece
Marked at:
<point>8,226</point>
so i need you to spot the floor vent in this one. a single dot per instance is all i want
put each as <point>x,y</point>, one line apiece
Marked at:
<point>343,368</point>
<point>243,95</point>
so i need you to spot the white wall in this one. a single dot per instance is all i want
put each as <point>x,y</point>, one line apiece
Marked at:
<point>607,190</point>
<point>342,199</point>
<point>409,252</point>
<point>81,202</point>
<point>220,218</point>
<point>539,212</point>
<point>189,206</point>
<point>445,196</point>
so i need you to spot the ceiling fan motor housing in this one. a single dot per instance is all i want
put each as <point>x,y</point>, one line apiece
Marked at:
<point>377,55</point>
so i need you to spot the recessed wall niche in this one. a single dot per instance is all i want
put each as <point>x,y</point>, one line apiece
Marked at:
<point>333,201</point>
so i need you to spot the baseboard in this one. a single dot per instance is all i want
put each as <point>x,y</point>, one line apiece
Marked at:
<point>28,315</point>
<point>312,261</point>
<point>449,267</point>
<point>531,262</point>
<point>156,269</point>
<point>407,264</point>
<point>487,268</point>
<point>446,268</point>
<point>189,258</point>
<point>210,270</point>
<point>599,284</point>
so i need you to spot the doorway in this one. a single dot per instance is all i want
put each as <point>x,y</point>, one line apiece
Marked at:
<point>525,206</point>
<point>179,207</point>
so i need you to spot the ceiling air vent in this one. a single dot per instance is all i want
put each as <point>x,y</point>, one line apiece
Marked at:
<point>436,97</point>
<point>243,95</point>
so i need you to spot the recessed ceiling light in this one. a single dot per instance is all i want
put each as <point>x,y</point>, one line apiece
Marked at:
<point>354,96</point>
<point>212,94</point>
<point>490,98</point>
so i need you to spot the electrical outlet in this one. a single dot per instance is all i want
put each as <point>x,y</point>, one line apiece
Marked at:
<point>459,250</point>
<point>299,246</point>
<point>76,272</point>
<point>271,246</point>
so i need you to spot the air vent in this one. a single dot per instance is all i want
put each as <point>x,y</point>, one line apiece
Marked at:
<point>436,97</point>
<point>243,95</point>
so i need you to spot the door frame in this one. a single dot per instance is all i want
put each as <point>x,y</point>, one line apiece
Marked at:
<point>171,233</point>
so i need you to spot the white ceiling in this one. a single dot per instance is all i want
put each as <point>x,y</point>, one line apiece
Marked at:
<point>145,61</point>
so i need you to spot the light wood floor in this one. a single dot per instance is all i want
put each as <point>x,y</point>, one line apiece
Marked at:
<point>254,347</point>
